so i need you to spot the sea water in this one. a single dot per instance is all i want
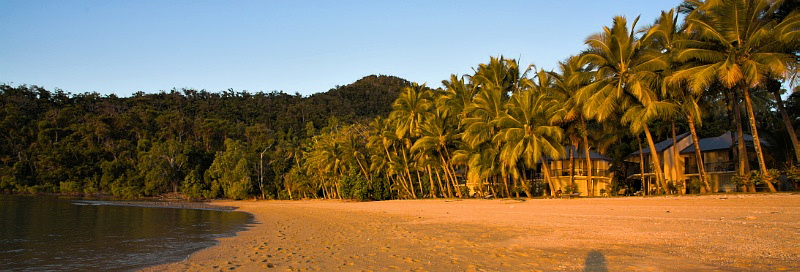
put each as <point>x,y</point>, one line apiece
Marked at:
<point>55,234</point>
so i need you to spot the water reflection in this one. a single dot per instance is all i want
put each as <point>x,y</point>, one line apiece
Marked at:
<point>44,233</point>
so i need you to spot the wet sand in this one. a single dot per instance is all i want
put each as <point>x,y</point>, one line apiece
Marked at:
<point>717,232</point>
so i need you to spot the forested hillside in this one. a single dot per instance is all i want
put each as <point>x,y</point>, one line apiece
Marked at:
<point>149,144</point>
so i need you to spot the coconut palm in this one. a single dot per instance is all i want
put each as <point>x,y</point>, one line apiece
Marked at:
<point>624,78</point>
<point>741,42</point>
<point>495,81</point>
<point>384,143</point>
<point>327,161</point>
<point>354,143</point>
<point>526,133</point>
<point>667,35</point>
<point>573,75</point>
<point>438,135</point>
<point>410,109</point>
<point>457,97</point>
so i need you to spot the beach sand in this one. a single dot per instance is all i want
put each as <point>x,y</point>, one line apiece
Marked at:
<point>678,233</point>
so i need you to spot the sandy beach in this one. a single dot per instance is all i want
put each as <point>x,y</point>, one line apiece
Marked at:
<point>679,233</point>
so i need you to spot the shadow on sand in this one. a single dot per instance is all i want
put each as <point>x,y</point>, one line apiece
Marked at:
<point>595,262</point>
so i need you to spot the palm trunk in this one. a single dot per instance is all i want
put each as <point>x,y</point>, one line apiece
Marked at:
<point>516,185</point>
<point>441,186</point>
<point>656,161</point>
<point>363,170</point>
<point>756,142</point>
<point>641,164</point>
<point>701,168</point>
<point>419,180</point>
<point>491,187</point>
<point>744,164</point>
<point>410,179</point>
<point>430,178</point>
<point>402,179</point>
<point>586,152</point>
<point>338,190</point>
<point>404,184</point>
<point>788,123</point>
<point>452,172</point>
<point>675,156</point>
<point>504,176</point>
<point>547,177</point>
<point>261,176</point>
<point>451,178</point>
<point>525,185</point>
<point>571,166</point>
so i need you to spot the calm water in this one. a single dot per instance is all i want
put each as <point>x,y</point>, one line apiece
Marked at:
<point>48,233</point>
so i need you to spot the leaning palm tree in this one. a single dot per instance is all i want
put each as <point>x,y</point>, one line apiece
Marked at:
<point>741,42</point>
<point>408,111</point>
<point>667,36</point>
<point>384,143</point>
<point>624,80</point>
<point>438,135</point>
<point>527,135</point>
<point>495,81</point>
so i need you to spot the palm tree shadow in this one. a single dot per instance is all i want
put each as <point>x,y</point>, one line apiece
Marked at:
<point>595,262</point>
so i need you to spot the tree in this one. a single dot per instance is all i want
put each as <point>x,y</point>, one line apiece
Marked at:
<point>437,134</point>
<point>624,79</point>
<point>740,40</point>
<point>526,133</point>
<point>231,170</point>
<point>495,81</point>
<point>567,84</point>
<point>667,37</point>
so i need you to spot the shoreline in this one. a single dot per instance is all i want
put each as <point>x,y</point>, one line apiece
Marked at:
<point>728,232</point>
<point>194,205</point>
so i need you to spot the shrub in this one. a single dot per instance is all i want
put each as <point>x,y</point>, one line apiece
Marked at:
<point>571,188</point>
<point>694,185</point>
<point>69,187</point>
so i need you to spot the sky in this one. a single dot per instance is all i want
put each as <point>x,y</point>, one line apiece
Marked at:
<point>122,47</point>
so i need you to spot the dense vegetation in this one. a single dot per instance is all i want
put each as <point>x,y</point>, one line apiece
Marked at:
<point>201,143</point>
<point>717,67</point>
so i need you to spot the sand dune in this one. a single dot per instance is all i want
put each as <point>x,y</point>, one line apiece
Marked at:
<point>720,232</point>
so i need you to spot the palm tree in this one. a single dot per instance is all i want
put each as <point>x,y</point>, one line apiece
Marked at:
<point>526,133</point>
<point>624,78</point>
<point>495,82</point>
<point>741,42</point>
<point>437,134</point>
<point>457,97</point>
<point>410,109</point>
<point>573,76</point>
<point>326,161</point>
<point>667,36</point>
<point>354,144</point>
<point>384,141</point>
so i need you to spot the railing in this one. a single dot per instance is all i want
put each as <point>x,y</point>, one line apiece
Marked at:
<point>728,166</point>
<point>578,172</point>
<point>638,169</point>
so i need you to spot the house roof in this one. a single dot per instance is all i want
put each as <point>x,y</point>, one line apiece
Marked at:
<point>724,141</point>
<point>579,154</point>
<point>662,145</point>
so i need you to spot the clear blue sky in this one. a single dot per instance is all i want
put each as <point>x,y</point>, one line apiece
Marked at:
<point>123,47</point>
